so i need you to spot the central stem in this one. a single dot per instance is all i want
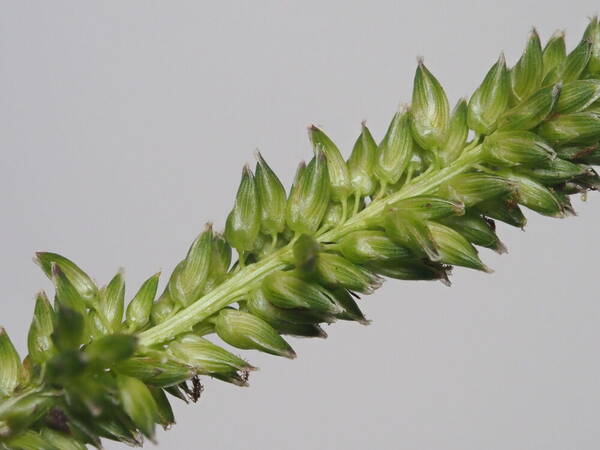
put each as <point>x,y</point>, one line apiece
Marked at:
<point>230,290</point>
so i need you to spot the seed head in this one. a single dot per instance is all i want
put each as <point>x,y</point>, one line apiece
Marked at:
<point>414,271</point>
<point>428,207</point>
<point>339,178</point>
<point>372,246</point>
<point>361,163</point>
<point>578,96</point>
<point>457,133</point>
<point>166,418</point>
<point>139,309</point>
<point>412,232</point>
<point>289,290</point>
<point>333,216</point>
<point>579,128</point>
<point>531,112</point>
<point>430,110</point>
<point>39,342</point>
<point>454,249</point>
<point>490,100</point>
<point>536,196</point>
<point>472,188</point>
<point>112,301</point>
<point>164,308</point>
<point>243,222</point>
<point>11,369</point>
<point>306,252</point>
<point>243,330</point>
<point>260,306</point>
<point>526,76</point>
<point>80,281</point>
<point>351,308</point>
<point>592,34</point>
<point>309,197</point>
<point>504,209</point>
<point>510,148</point>
<point>409,208</point>
<point>220,261</point>
<point>67,294</point>
<point>108,350</point>
<point>554,171</point>
<point>68,329</point>
<point>138,403</point>
<point>335,270</point>
<point>189,277</point>
<point>572,66</point>
<point>477,230</point>
<point>156,369</point>
<point>395,150</point>
<point>272,199</point>
<point>24,411</point>
<point>208,358</point>
<point>555,52</point>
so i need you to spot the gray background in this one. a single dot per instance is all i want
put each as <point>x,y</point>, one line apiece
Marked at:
<point>124,126</point>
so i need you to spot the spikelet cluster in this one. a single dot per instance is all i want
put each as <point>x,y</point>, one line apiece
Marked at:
<point>526,138</point>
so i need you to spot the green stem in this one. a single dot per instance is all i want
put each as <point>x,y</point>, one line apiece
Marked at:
<point>229,291</point>
<point>217,299</point>
<point>356,206</point>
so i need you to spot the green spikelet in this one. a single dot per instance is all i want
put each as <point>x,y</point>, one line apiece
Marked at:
<point>527,74</point>
<point>430,110</point>
<point>309,197</point>
<point>490,100</point>
<point>243,222</point>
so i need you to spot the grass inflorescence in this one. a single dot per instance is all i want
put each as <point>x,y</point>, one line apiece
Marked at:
<point>410,207</point>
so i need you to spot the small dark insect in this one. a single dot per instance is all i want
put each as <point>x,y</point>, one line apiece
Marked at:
<point>195,391</point>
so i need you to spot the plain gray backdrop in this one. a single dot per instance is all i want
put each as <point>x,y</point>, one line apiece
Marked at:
<point>124,126</point>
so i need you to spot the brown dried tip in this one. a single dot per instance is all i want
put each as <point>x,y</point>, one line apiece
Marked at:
<point>445,276</point>
<point>501,248</point>
<point>322,333</point>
